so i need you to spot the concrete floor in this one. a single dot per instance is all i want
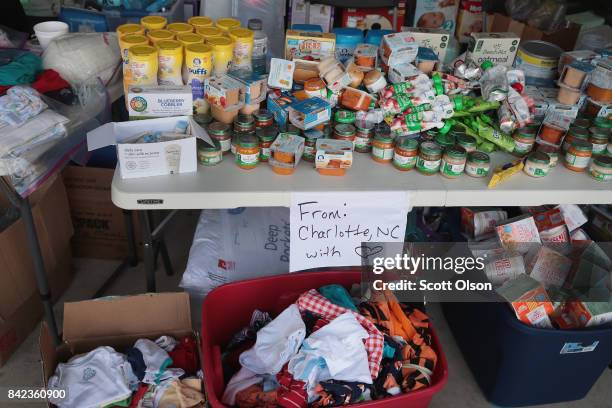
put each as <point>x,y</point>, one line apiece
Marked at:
<point>23,369</point>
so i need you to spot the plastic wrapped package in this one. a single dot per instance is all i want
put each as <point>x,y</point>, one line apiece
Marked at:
<point>238,244</point>
<point>84,60</point>
<point>10,38</point>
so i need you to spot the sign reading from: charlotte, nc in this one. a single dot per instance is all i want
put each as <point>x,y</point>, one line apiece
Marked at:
<point>330,229</point>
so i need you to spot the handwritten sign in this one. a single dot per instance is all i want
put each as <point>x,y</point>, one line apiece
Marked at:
<point>328,229</point>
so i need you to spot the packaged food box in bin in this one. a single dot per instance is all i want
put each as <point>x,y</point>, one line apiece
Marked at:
<point>518,365</point>
<point>274,294</point>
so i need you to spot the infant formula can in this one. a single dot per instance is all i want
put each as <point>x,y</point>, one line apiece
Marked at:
<point>198,60</point>
<point>170,62</point>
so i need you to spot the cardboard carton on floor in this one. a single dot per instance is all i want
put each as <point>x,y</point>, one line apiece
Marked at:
<point>99,225</point>
<point>20,305</point>
<point>116,322</point>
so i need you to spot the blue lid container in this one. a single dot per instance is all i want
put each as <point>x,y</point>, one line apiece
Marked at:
<point>374,36</point>
<point>346,41</point>
<point>307,27</point>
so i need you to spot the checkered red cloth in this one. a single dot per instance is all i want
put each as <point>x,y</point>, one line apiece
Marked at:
<point>314,302</point>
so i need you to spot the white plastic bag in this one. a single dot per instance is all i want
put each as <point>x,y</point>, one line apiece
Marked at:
<point>237,244</point>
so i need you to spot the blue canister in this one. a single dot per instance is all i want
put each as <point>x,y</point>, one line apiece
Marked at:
<point>346,41</point>
<point>375,36</point>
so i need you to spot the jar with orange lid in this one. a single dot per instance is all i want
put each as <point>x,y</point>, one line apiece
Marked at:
<point>345,131</point>
<point>247,152</point>
<point>578,155</point>
<point>405,154</point>
<point>383,149</point>
<point>315,87</point>
<point>574,133</point>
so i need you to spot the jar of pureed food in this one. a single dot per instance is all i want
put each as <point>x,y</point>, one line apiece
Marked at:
<point>405,154</point>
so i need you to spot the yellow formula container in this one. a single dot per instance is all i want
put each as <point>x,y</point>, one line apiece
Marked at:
<point>180,28</point>
<point>153,23</point>
<point>223,51</point>
<point>125,43</point>
<point>189,38</point>
<point>170,62</point>
<point>198,60</point>
<point>160,35</point>
<point>243,48</point>
<point>143,65</point>
<point>227,24</point>
<point>127,29</point>
<point>200,21</point>
<point>209,32</point>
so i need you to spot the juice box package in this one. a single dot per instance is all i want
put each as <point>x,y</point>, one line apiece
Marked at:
<point>436,14</point>
<point>518,234</point>
<point>499,48</point>
<point>529,300</point>
<point>435,38</point>
<point>309,45</point>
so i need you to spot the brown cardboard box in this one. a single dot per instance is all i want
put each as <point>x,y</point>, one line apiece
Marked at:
<point>20,305</point>
<point>564,38</point>
<point>99,227</point>
<point>116,322</point>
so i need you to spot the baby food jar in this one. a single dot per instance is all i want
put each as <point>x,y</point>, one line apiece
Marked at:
<point>467,142</point>
<point>583,123</point>
<point>364,132</point>
<point>524,139</point>
<point>478,164</point>
<point>263,118</point>
<point>221,132</point>
<point>374,81</point>
<point>578,155</point>
<point>209,155</point>
<point>601,168</point>
<point>537,164</point>
<point>344,116</point>
<point>315,87</point>
<point>344,131</point>
<point>430,156</point>
<point>444,140</point>
<point>551,134</point>
<point>453,161</point>
<point>247,152</point>
<point>310,144</point>
<point>574,133</point>
<point>599,140</point>
<point>244,123</point>
<point>266,136</point>
<point>405,154</point>
<point>551,151</point>
<point>382,149</point>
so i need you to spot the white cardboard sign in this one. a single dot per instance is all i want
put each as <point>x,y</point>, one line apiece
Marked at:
<point>328,229</point>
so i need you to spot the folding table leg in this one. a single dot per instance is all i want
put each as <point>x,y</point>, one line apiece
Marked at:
<point>163,249</point>
<point>148,250</point>
<point>129,229</point>
<point>39,267</point>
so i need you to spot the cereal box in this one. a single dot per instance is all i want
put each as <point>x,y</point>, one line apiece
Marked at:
<point>499,48</point>
<point>309,45</point>
<point>435,38</point>
<point>436,14</point>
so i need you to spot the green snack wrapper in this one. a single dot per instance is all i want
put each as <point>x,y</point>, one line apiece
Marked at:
<point>493,135</point>
<point>475,105</point>
<point>467,129</point>
<point>486,147</point>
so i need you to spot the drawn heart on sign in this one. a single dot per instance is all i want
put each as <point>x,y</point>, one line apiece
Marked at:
<point>365,251</point>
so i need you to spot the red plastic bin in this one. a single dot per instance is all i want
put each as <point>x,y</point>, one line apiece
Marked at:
<point>228,308</point>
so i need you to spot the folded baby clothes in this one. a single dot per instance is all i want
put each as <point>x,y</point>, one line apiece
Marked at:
<point>95,379</point>
<point>314,302</point>
<point>336,351</point>
<point>276,343</point>
<point>155,359</point>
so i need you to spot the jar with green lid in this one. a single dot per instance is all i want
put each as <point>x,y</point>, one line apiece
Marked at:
<point>247,151</point>
<point>430,156</point>
<point>599,140</point>
<point>537,164</point>
<point>221,132</point>
<point>578,155</point>
<point>550,150</point>
<point>344,116</point>
<point>244,123</point>
<point>478,164</point>
<point>263,118</point>
<point>382,149</point>
<point>574,133</point>
<point>209,155</point>
<point>453,161</point>
<point>310,144</point>
<point>364,132</point>
<point>444,140</point>
<point>468,142</point>
<point>601,168</point>
<point>405,153</point>
<point>524,139</point>
<point>345,131</point>
<point>602,122</point>
<point>266,136</point>
<point>583,123</point>
<point>456,131</point>
<point>382,129</point>
<point>428,136</point>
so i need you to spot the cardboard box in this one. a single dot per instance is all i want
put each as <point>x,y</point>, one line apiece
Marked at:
<point>564,37</point>
<point>309,45</point>
<point>435,38</point>
<point>469,19</point>
<point>147,102</point>
<point>436,14</point>
<point>99,226</point>
<point>498,47</point>
<point>116,322</point>
<point>255,88</point>
<point>279,104</point>
<point>398,48</point>
<point>334,154</point>
<point>309,113</point>
<point>20,305</point>
<point>150,159</point>
<point>366,18</point>
<point>224,91</point>
<point>319,14</point>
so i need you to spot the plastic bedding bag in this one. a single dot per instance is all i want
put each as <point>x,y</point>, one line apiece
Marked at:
<point>237,244</point>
